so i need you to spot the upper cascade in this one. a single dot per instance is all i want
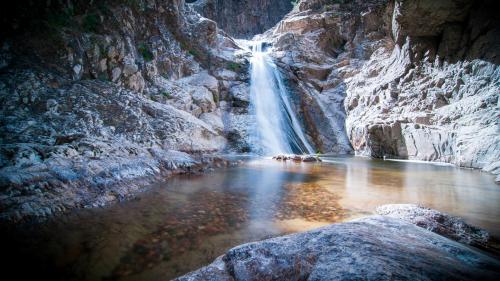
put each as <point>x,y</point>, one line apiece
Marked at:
<point>277,129</point>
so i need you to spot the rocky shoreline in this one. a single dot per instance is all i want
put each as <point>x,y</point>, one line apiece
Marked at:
<point>373,248</point>
<point>105,182</point>
<point>100,99</point>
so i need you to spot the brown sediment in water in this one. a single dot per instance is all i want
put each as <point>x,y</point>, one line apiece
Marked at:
<point>209,214</point>
<point>309,201</point>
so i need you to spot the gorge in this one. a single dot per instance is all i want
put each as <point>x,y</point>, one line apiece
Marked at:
<point>137,136</point>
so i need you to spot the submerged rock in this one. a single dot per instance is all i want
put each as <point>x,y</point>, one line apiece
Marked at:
<point>374,248</point>
<point>452,227</point>
<point>297,158</point>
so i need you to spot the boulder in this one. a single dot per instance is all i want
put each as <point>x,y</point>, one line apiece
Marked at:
<point>373,248</point>
<point>435,221</point>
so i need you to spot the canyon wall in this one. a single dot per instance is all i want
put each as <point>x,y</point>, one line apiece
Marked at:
<point>243,19</point>
<point>408,79</point>
<point>95,95</point>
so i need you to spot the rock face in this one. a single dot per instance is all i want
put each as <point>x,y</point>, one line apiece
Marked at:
<point>243,19</point>
<point>96,95</point>
<point>435,221</point>
<point>374,248</point>
<point>405,79</point>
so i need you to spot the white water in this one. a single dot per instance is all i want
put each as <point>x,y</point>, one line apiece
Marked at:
<point>277,130</point>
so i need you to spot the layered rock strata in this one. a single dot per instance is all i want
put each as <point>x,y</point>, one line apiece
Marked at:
<point>95,95</point>
<point>398,79</point>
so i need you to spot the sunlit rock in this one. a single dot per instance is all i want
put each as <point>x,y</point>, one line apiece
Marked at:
<point>372,248</point>
<point>435,221</point>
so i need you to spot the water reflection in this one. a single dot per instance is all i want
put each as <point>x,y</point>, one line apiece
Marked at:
<point>186,222</point>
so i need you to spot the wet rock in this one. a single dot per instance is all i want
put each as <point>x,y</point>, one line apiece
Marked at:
<point>371,248</point>
<point>297,158</point>
<point>452,227</point>
<point>282,157</point>
<point>310,158</point>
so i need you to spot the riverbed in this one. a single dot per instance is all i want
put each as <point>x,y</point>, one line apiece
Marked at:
<point>185,222</point>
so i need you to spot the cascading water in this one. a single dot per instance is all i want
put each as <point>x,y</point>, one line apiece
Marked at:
<point>277,129</point>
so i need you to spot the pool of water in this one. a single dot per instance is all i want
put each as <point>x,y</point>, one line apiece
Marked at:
<point>185,222</point>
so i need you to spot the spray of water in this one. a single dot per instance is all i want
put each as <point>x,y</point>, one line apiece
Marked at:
<point>277,130</point>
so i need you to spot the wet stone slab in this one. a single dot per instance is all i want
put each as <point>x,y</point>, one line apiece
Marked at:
<point>373,248</point>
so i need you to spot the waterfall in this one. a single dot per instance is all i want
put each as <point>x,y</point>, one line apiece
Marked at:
<point>277,129</point>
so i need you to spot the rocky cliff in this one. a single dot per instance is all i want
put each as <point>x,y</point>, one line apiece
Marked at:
<point>243,19</point>
<point>95,95</point>
<point>399,79</point>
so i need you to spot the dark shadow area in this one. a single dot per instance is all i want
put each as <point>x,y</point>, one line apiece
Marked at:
<point>243,19</point>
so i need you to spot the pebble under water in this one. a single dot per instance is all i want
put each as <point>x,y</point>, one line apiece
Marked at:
<point>187,221</point>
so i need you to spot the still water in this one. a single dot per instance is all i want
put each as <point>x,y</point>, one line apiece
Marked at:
<point>185,222</point>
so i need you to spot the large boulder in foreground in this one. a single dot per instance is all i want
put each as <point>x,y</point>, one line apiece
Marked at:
<point>452,227</point>
<point>373,248</point>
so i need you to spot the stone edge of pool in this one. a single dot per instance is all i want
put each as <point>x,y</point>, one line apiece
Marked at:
<point>34,196</point>
<point>402,244</point>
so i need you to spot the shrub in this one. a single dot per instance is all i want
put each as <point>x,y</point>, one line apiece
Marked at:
<point>90,23</point>
<point>166,94</point>
<point>216,98</point>
<point>137,4</point>
<point>103,76</point>
<point>234,66</point>
<point>194,53</point>
<point>145,53</point>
